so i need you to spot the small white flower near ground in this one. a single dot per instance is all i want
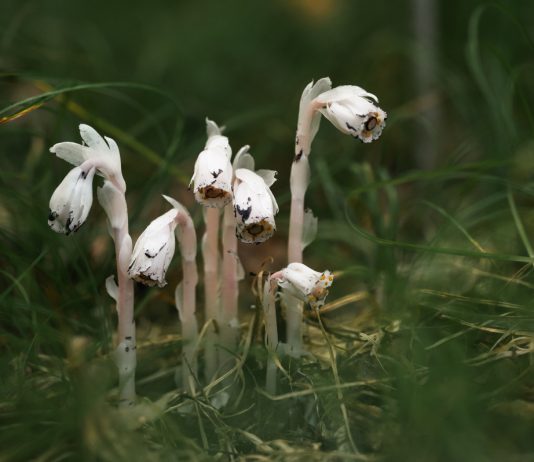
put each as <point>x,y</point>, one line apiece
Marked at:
<point>306,284</point>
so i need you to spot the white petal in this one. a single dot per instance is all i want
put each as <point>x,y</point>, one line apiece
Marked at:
<point>212,181</point>
<point>111,288</point>
<point>269,176</point>
<point>92,138</point>
<point>73,153</point>
<point>344,93</point>
<point>71,201</point>
<point>309,230</point>
<point>313,90</point>
<point>175,204</point>
<point>306,284</point>
<point>301,277</point>
<point>105,156</point>
<point>113,203</point>
<point>158,234</point>
<point>114,153</point>
<point>254,181</point>
<point>212,128</point>
<point>243,159</point>
<point>342,118</point>
<point>308,95</point>
<point>221,144</point>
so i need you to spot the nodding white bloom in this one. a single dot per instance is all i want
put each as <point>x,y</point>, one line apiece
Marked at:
<point>254,204</point>
<point>154,249</point>
<point>353,111</point>
<point>212,178</point>
<point>306,284</point>
<point>101,152</point>
<point>72,200</point>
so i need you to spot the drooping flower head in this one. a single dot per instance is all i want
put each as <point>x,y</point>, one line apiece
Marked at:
<point>254,203</point>
<point>353,111</point>
<point>307,285</point>
<point>155,247</point>
<point>212,177</point>
<point>72,199</point>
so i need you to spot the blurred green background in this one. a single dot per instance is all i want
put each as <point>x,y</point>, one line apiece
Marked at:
<point>429,227</point>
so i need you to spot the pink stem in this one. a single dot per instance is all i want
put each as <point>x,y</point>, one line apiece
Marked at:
<point>188,249</point>
<point>299,181</point>
<point>230,290</point>
<point>271,329</point>
<point>126,356</point>
<point>210,250</point>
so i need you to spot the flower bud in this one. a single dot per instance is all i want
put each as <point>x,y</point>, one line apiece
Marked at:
<point>306,284</point>
<point>353,111</point>
<point>154,250</point>
<point>212,178</point>
<point>72,200</point>
<point>254,205</point>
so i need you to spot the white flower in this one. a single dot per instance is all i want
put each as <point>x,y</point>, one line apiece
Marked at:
<point>154,250</point>
<point>353,111</point>
<point>254,205</point>
<point>103,153</point>
<point>72,200</point>
<point>212,178</point>
<point>114,204</point>
<point>306,284</point>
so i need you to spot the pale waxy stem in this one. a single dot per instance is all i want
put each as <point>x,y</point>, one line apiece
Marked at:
<point>185,297</point>
<point>299,180</point>
<point>100,155</point>
<point>111,197</point>
<point>229,326</point>
<point>293,309</point>
<point>271,329</point>
<point>210,254</point>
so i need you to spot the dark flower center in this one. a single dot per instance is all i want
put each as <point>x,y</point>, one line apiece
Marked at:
<point>255,229</point>
<point>371,123</point>
<point>212,193</point>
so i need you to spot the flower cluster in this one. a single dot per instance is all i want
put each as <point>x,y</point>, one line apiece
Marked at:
<point>216,182</point>
<point>250,207</point>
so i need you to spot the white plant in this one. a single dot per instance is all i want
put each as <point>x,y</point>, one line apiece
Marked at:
<point>355,112</point>
<point>212,186</point>
<point>150,260</point>
<point>69,208</point>
<point>296,281</point>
